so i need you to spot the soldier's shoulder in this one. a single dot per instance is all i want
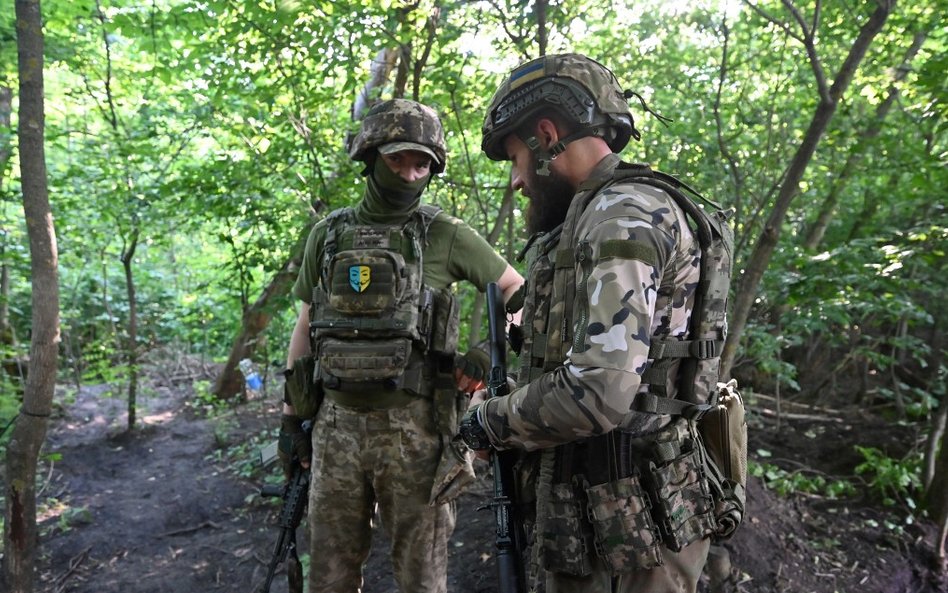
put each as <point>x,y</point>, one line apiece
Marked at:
<point>626,204</point>
<point>444,219</point>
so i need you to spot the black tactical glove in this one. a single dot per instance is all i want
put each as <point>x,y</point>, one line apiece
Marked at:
<point>472,430</point>
<point>293,444</point>
<point>471,370</point>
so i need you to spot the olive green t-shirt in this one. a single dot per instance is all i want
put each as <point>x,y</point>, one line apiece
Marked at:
<point>454,252</point>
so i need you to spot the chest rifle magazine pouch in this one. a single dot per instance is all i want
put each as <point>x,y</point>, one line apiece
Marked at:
<point>683,507</point>
<point>626,534</point>
<point>567,540</point>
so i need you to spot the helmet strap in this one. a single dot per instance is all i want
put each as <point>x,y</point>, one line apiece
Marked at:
<point>545,158</point>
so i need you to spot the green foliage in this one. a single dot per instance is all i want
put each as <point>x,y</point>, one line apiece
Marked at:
<point>205,401</point>
<point>240,454</point>
<point>214,133</point>
<point>895,482</point>
<point>803,481</point>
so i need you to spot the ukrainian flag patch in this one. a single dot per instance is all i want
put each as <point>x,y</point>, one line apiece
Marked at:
<point>527,73</point>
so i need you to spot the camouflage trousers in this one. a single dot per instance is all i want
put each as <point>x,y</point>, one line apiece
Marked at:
<point>363,459</point>
<point>679,574</point>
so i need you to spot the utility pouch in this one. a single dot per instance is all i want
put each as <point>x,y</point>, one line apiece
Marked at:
<point>567,541</point>
<point>449,404</point>
<point>626,535</point>
<point>683,506</point>
<point>366,281</point>
<point>303,389</point>
<point>364,360</point>
<point>445,323</point>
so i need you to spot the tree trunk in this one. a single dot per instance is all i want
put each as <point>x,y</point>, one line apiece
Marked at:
<point>757,263</point>
<point>230,382</point>
<point>937,500</point>
<point>29,433</point>
<point>128,255</point>
<point>379,72</point>
<point>815,235</point>
<point>935,436</point>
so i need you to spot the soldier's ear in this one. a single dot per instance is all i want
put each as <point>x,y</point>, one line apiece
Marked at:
<point>547,132</point>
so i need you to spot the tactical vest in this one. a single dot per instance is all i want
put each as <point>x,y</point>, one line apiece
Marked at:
<point>619,494</point>
<point>373,321</point>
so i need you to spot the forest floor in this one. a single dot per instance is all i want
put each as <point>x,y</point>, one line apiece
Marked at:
<point>174,507</point>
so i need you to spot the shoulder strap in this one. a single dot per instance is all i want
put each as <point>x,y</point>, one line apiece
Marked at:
<point>336,221</point>
<point>564,258</point>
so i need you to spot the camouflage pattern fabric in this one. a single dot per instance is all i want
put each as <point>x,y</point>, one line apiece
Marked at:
<point>363,457</point>
<point>621,271</point>
<point>623,298</point>
<point>581,88</point>
<point>678,574</point>
<point>400,120</point>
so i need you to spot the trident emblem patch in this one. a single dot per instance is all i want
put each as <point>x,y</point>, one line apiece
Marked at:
<point>360,277</point>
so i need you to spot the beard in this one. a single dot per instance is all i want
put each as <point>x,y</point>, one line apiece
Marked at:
<point>550,197</point>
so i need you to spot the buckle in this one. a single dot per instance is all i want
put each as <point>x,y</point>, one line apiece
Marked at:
<point>704,349</point>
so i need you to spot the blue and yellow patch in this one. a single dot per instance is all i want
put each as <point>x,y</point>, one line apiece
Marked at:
<point>527,73</point>
<point>360,277</point>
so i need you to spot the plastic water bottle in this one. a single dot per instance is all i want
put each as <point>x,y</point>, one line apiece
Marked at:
<point>251,378</point>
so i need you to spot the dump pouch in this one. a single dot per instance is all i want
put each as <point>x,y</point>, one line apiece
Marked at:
<point>567,539</point>
<point>626,535</point>
<point>454,473</point>
<point>303,389</point>
<point>724,432</point>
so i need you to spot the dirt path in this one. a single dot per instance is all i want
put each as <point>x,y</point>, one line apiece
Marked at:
<point>164,510</point>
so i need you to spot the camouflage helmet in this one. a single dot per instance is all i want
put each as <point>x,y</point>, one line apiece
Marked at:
<point>579,88</point>
<point>400,124</point>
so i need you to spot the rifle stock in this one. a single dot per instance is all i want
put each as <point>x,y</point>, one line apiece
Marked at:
<point>508,526</point>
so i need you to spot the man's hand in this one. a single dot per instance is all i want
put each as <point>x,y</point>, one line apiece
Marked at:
<point>471,369</point>
<point>293,445</point>
<point>478,397</point>
<point>471,430</point>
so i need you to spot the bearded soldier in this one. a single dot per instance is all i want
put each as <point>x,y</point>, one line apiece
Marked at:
<point>615,486</point>
<point>376,339</point>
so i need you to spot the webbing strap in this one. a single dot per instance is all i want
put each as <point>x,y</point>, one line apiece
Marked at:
<point>654,404</point>
<point>412,379</point>
<point>702,349</point>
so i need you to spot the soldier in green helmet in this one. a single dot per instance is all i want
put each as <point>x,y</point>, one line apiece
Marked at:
<point>613,489</point>
<point>373,357</point>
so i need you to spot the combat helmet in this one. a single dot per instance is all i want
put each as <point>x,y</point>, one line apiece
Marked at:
<point>579,88</point>
<point>400,124</point>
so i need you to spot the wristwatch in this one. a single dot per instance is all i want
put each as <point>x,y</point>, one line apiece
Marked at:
<point>472,431</point>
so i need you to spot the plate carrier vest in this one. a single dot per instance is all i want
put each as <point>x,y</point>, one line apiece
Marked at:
<point>373,322</point>
<point>644,475</point>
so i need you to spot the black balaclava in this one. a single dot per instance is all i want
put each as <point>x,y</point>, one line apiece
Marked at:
<point>388,199</point>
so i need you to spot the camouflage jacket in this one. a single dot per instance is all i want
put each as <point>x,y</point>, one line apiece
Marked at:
<point>634,270</point>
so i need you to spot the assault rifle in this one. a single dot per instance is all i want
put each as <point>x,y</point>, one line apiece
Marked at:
<point>295,494</point>
<point>508,525</point>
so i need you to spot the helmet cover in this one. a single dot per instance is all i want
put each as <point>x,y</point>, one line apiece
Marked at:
<point>579,88</point>
<point>404,125</point>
